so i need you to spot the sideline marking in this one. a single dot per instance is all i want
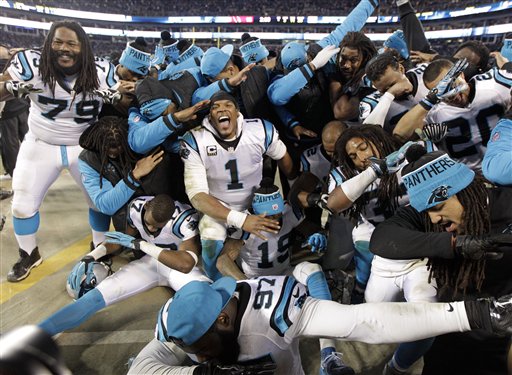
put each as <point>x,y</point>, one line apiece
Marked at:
<point>49,266</point>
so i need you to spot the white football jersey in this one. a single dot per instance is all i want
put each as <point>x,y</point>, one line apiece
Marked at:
<point>469,128</point>
<point>181,227</point>
<point>270,257</point>
<point>316,161</point>
<point>58,119</point>
<point>270,305</point>
<point>233,168</point>
<point>398,108</point>
<point>371,212</point>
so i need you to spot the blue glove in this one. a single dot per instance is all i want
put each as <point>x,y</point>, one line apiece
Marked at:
<point>318,242</point>
<point>444,89</point>
<point>394,159</point>
<point>82,272</point>
<point>122,239</point>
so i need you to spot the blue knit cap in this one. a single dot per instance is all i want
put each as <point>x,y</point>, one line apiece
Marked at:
<point>154,108</point>
<point>506,50</point>
<point>434,178</point>
<point>397,42</point>
<point>293,55</point>
<point>253,51</point>
<point>135,60</point>
<point>214,60</point>
<point>193,310</point>
<point>270,204</point>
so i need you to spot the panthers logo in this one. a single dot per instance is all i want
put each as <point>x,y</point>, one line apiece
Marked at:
<point>439,194</point>
<point>252,58</point>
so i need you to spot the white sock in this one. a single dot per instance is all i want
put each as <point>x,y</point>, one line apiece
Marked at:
<point>27,242</point>
<point>97,237</point>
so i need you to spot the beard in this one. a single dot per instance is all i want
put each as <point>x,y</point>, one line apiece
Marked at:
<point>66,71</point>
<point>231,348</point>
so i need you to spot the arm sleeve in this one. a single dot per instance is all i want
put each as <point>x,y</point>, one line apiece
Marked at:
<point>401,237</point>
<point>354,22</point>
<point>497,163</point>
<point>206,92</point>
<point>144,136</point>
<point>108,199</point>
<point>413,29</point>
<point>282,89</point>
<point>379,113</point>
<point>159,358</point>
<point>196,180</point>
<point>276,149</point>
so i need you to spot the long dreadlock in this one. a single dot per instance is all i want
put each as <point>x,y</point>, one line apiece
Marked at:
<point>388,192</point>
<point>87,80</point>
<point>360,42</point>
<point>463,274</point>
<point>109,132</point>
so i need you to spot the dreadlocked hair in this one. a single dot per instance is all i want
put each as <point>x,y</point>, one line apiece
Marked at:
<point>360,42</point>
<point>463,274</point>
<point>109,132</point>
<point>383,144</point>
<point>87,80</point>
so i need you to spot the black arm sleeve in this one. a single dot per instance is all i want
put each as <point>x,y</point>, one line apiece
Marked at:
<point>402,237</point>
<point>413,29</point>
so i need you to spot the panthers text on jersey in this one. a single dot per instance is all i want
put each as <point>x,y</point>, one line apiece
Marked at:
<point>59,119</point>
<point>469,128</point>
<point>181,227</point>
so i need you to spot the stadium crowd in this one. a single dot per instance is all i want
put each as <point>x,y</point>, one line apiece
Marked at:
<point>395,172</point>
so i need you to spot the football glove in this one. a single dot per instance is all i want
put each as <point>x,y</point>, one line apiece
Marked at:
<point>444,89</point>
<point>317,242</point>
<point>21,90</point>
<point>434,132</point>
<point>76,280</point>
<point>122,239</point>
<point>212,368</point>
<point>482,247</point>
<point>324,56</point>
<point>109,96</point>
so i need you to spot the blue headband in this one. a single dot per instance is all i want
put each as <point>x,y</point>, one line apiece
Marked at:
<point>253,51</point>
<point>436,181</point>
<point>154,108</point>
<point>270,204</point>
<point>135,60</point>
<point>191,52</point>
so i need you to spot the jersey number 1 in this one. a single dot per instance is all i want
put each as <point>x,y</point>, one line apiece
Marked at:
<point>233,171</point>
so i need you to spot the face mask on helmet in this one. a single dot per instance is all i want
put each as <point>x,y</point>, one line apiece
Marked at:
<point>82,280</point>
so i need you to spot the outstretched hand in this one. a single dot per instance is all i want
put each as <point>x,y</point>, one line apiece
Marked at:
<point>257,224</point>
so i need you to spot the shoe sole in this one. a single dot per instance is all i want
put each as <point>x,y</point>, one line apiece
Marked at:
<point>12,280</point>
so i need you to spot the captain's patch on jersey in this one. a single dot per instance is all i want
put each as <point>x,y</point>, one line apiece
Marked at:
<point>211,150</point>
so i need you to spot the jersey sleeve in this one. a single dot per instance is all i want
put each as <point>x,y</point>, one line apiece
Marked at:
<point>335,179</point>
<point>274,147</point>
<point>497,163</point>
<point>196,180</point>
<point>106,73</point>
<point>22,66</point>
<point>186,224</point>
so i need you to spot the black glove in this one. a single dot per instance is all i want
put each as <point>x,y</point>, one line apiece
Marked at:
<point>213,368</point>
<point>318,199</point>
<point>109,96</point>
<point>379,166</point>
<point>482,247</point>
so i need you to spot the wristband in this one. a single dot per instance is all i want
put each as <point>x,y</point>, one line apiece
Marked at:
<point>150,249</point>
<point>193,255</point>
<point>98,252</point>
<point>236,219</point>
<point>356,186</point>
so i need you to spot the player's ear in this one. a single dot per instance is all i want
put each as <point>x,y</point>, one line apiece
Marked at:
<point>223,320</point>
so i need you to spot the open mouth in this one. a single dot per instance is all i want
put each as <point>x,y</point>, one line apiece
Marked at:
<point>223,120</point>
<point>449,226</point>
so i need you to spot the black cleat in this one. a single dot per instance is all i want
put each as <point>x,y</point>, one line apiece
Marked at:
<point>25,263</point>
<point>4,194</point>
<point>501,315</point>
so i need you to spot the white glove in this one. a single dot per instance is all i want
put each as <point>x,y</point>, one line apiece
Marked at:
<point>324,56</point>
<point>109,96</point>
<point>20,89</point>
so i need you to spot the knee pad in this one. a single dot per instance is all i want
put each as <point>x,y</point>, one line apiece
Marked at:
<point>26,226</point>
<point>99,221</point>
